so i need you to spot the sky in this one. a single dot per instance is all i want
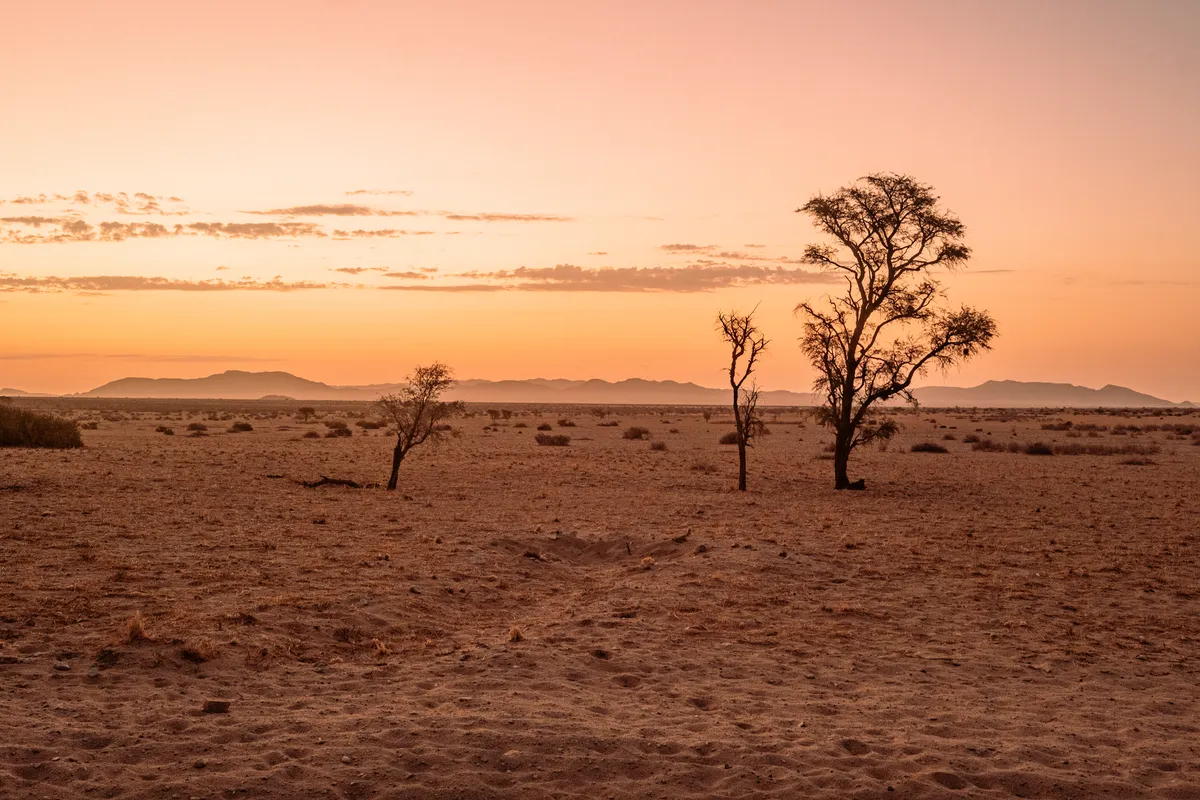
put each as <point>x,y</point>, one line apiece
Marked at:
<point>343,189</point>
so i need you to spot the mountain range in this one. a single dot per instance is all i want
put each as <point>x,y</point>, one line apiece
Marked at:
<point>240,385</point>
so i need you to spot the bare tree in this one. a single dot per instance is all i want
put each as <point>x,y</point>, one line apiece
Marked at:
<point>416,411</point>
<point>869,343</point>
<point>745,342</point>
<point>305,413</point>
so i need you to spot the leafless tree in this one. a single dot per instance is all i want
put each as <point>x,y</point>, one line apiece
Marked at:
<point>869,343</point>
<point>747,343</point>
<point>416,412</point>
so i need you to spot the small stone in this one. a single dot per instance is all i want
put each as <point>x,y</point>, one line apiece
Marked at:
<point>62,666</point>
<point>94,672</point>
<point>200,763</point>
<point>216,707</point>
<point>345,759</point>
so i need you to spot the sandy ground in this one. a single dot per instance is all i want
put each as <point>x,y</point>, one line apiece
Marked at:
<point>975,624</point>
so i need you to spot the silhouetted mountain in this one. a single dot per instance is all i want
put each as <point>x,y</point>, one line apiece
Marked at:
<point>7,392</point>
<point>1019,394</point>
<point>239,385</point>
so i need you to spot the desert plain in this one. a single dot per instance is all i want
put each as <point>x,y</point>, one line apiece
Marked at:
<point>603,619</point>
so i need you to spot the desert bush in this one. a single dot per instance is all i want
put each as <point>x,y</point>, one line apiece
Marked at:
<point>987,446</point>
<point>612,423</point>
<point>1038,449</point>
<point>635,432</point>
<point>164,430</point>
<point>970,438</point>
<point>553,439</point>
<point>566,423</point>
<point>928,447</point>
<point>1078,449</point>
<point>311,435</point>
<point>241,427</point>
<point>729,438</point>
<point>704,466</point>
<point>90,426</point>
<point>545,426</point>
<point>1137,461</point>
<point>949,437</point>
<point>23,428</point>
<point>1058,426</point>
<point>520,425</point>
<point>335,424</point>
<point>660,446</point>
<point>335,433</point>
<point>370,424</point>
<point>197,426</point>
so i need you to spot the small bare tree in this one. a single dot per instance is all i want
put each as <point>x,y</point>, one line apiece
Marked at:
<point>305,413</point>
<point>416,411</point>
<point>745,342</point>
<point>869,343</point>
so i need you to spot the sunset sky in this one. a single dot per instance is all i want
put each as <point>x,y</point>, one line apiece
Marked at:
<point>343,189</point>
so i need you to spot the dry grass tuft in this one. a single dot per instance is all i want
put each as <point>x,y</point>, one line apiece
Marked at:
<point>514,634</point>
<point>137,629</point>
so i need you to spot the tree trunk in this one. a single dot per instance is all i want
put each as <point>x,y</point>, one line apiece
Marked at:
<point>397,457</point>
<point>841,461</point>
<point>741,463</point>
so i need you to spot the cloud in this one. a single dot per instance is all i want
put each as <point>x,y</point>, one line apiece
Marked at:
<point>571,278</point>
<point>380,192</point>
<point>137,283</point>
<point>334,210</point>
<point>256,230</point>
<point>687,248</point>
<point>358,270</point>
<point>386,233</point>
<point>598,253</point>
<point>452,215</point>
<point>754,245</point>
<point>412,276</point>
<point>141,203</point>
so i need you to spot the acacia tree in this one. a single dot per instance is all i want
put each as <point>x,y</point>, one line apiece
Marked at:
<point>416,411</point>
<point>745,342</point>
<point>888,327</point>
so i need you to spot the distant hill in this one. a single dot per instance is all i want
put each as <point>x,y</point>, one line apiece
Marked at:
<point>6,392</point>
<point>239,385</point>
<point>1019,394</point>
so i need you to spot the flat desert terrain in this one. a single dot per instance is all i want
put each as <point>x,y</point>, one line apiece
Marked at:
<point>601,620</point>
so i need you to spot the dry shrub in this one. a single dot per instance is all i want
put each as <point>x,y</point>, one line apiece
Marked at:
<point>545,426</point>
<point>199,651</point>
<point>987,446</point>
<point>197,426</point>
<point>704,466</point>
<point>520,425</point>
<point>566,423</point>
<point>1038,449</point>
<point>1078,449</point>
<point>335,433</point>
<point>514,634</point>
<point>728,438</point>
<point>612,423</point>
<point>635,432</point>
<point>970,438</point>
<point>23,428</point>
<point>241,427</point>
<point>311,435</point>
<point>136,629</point>
<point>553,439</point>
<point>659,446</point>
<point>928,447</point>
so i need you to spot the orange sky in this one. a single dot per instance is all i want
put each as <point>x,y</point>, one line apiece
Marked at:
<point>1064,134</point>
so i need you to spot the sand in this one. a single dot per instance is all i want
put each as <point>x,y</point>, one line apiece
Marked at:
<point>599,620</point>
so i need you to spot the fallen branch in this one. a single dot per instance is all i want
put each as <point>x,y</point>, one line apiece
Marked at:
<point>325,481</point>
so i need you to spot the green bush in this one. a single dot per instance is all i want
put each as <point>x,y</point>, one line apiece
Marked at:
<point>20,427</point>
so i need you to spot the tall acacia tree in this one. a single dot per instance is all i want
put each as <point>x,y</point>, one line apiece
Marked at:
<point>888,326</point>
<point>745,342</point>
<point>416,411</point>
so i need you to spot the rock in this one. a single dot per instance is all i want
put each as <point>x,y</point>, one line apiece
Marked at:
<point>345,759</point>
<point>94,672</point>
<point>200,763</point>
<point>216,707</point>
<point>62,666</point>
